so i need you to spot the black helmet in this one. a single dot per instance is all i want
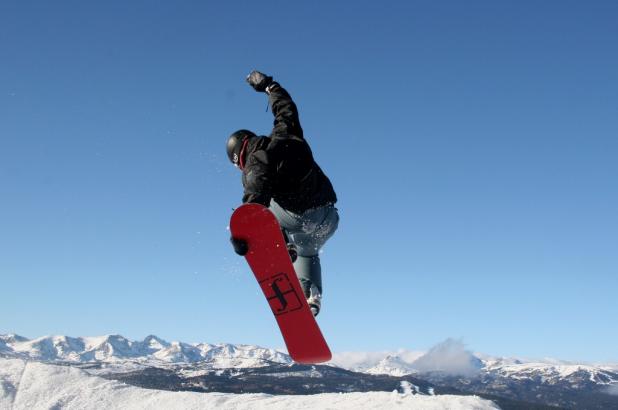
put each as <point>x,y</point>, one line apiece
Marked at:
<point>235,143</point>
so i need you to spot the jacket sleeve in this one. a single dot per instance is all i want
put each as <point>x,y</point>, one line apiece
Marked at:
<point>284,109</point>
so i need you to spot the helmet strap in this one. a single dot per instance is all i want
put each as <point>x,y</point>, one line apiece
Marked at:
<point>241,157</point>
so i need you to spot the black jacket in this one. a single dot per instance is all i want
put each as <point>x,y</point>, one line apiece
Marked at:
<point>281,166</point>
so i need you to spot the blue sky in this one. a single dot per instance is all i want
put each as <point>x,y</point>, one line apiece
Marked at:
<point>472,145</point>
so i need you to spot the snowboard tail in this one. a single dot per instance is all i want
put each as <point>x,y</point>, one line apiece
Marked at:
<point>271,264</point>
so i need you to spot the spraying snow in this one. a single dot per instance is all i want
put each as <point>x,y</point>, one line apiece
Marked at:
<point>612,389</point>
<point>449,357</point>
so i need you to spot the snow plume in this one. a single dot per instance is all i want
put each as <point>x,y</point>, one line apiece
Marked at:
<point>449,357</point>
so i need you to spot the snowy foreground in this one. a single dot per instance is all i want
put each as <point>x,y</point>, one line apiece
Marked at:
<point>32,385</point>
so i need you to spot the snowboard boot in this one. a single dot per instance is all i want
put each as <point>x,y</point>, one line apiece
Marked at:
<point>291,247</point>
<point>314,300</point>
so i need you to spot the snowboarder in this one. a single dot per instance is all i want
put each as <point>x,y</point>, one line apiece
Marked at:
<point>278,171</point>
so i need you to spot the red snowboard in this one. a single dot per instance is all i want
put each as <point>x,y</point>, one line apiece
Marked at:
<point>270,262</point>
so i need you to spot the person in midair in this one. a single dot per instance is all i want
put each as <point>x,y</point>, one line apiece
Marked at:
<point>279,171</point>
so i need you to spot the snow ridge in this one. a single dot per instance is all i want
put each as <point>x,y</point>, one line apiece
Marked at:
<point>116,348</point>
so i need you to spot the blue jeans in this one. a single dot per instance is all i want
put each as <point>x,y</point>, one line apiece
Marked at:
<point>309,231</point>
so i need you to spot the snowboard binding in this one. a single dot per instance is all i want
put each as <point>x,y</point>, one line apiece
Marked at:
<point>314,300</point>
<point>292,251</point>
<point>290,246</point>
<point>241,248</point>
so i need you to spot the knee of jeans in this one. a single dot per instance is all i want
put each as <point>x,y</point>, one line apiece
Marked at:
<point>328,227</point>
<point>306,246</point>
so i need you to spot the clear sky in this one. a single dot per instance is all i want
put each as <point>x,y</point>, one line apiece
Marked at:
<point>473,146</point>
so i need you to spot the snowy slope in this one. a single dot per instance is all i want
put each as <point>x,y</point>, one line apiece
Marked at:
<point>32,385</point>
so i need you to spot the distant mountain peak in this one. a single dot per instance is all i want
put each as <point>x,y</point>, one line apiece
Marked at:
<point>392,365</point>
<point>155,342</point>
<point>12,338</point>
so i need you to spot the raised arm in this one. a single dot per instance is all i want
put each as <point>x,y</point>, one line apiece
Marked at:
<point>286,114</point>
<point>286,122</point>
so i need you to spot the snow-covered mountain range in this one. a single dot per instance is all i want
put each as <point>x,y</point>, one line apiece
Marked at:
<point>447,367</point>
<point>150,351</point>
<point>449,357</point>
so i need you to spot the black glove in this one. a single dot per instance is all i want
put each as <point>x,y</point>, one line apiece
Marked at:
<point>259,81</point>
<point>240,246</point>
